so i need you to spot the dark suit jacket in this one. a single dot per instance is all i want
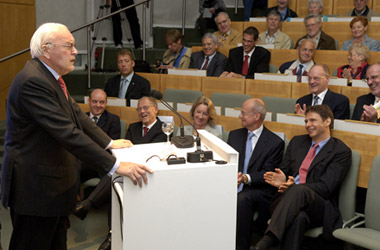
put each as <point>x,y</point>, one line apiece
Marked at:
<point>325,174</point>
<point>110,124</point>
<point>289,12</point>
<point>339,104</point>
<point>214,68</point>
<point>259,61</point>
<point>266,156</point>
<point>363,100</point>
<point>155,134</point>
<point>326,42</point>
<point>138,87</point>
<point>46,134</point>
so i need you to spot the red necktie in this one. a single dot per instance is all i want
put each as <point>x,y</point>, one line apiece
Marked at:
<point>245,66</point>
<point>63,86</point>
<point>306,163</point>
<point>206,63</point>
<point>145,130</point>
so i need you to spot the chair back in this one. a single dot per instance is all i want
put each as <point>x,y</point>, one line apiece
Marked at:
<point>279,105</point>
<point>228,100</point>
<point>181,96</point>
<point>372,205</point>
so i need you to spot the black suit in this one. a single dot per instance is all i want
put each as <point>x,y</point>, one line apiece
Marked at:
<point>267,155</point>
<point>155,134</point>
<point>363,100</point>
<point>314,203</point>
<point>138,87</point>
<point>339,104</point>
<point>46,135</point>
<point>110,124</point>
<point>259,61</point>
<point>214,68</point>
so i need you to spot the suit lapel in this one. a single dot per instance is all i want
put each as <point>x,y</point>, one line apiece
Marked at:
<point>327,99</point>
<point>130,87</point>
<point>102,120</point>
<point>322,154</point>
<point>259,148</point>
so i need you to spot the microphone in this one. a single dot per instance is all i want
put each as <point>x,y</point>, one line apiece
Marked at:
<point>181,141</point>
<point>199,155</point>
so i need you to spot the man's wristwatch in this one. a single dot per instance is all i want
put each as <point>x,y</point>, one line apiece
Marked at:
<point>245,178</point>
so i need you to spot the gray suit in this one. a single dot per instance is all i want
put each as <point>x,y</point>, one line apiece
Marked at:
<point>215,67</point>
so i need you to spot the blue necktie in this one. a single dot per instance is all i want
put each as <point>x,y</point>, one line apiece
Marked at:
<point>123,87</point>
<point>316,98</point>
<point>299,73</point>
<point>248,152</point>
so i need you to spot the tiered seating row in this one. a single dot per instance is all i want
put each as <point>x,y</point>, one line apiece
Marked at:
<point>367,145</point>
<point>254,88</point>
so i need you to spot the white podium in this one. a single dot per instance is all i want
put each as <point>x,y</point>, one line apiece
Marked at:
<point>185,206</point>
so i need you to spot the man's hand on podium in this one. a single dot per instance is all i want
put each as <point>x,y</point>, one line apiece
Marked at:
<point>136,172</point>
<point>121,143</point>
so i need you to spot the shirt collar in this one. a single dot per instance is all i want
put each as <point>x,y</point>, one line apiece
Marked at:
<point>55,74</point>
<point>91,115</point>
<point>321,95</point>
<point>258,131</point>
<point>250,53</point>
<point>128,77</point>
<point>151,125</point>
<point>321,144</point>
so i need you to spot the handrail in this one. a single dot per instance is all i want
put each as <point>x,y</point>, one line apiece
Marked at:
<point>183,16</point>
<point>88,25</point>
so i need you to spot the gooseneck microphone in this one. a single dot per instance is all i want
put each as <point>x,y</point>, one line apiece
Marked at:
<point>179,141</point>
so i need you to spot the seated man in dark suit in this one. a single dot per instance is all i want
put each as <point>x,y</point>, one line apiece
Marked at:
<point>149,129</point>
<point>127,84</point>
<point>313,24</point>
<point>320,94</point>
<point>110,124</point>
<point>363,110</point>
<point>301,66</point>
<point>209,59</point>
<point>308,183</point>
<point>260,151</point>
<point>245,61</point>
<point>283,8</point>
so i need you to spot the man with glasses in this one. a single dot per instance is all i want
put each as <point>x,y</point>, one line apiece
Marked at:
<point>149,128</point>
<point>313,24</point>
<point>361,9</point>
<point>260,151</point>
<point>127,85</point>
<point>364,110</point>
<point>319,77</point>
<point>47,137</point>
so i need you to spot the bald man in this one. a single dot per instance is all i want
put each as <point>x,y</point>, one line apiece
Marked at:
<point>260,151</point>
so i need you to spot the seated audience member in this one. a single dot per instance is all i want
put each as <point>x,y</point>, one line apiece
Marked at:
<point>100,196</point>
<point>209,59</point>
<point>127,84</point>
<point>149,128</point>
<point>177,55</point>
<point>361,9</point>
<point>359,27</point>
<point>260,151</point>
<point>283,8</point>
<point>274,35</point>
<point>303,64</point>
<point>356,68</point>
<point>227,36</point>
<point>203,114</point>
<point>308,182</point>
<point>254,8</point>
<point>246,60</point>
<point>208,10</point>
<point>319,77</point>
<point>364,110</point>
<point>316,7</point>
<point>313,24</point>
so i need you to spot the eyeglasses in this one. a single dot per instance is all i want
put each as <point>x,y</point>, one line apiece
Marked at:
<point>145,108</point>
<point>373,78</point>
<point>316,79</point>
<point>69,46</point>
<point>245,114</point>
<point>311,25</point>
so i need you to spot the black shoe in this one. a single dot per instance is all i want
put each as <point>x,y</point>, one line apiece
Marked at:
<point>266,242</point>
<point>80,211</point>
<point>106,245</point>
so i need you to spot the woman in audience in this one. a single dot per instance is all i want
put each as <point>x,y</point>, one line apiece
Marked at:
<point>203,114</point>
<point>356,68</point>
<point>359,27</point>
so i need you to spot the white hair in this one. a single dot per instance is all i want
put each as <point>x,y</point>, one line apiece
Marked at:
<point>41,36</point>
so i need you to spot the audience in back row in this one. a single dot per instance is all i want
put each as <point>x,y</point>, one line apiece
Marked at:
<point>359,26</point>
<point>356,68</point>
<point>227,37</point>
<point>246,60</point>
<point>361,9</point>
<point>284,10</point>
<point>319,77</point>
<point>208,10</point>
<point>209,59</point>
<point>274,35</point>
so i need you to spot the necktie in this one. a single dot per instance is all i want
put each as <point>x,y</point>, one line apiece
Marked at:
<point>145,130</point>
<point>299,73</point>
<point>224,37</point>
<point>248,152</point>
<point>316,98</point>
<point>95,119</point>
<point>63,86</point>
<point>123,87</point>
<point>206,63</point>
<point>306,163</point>
<point>245,66</point>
